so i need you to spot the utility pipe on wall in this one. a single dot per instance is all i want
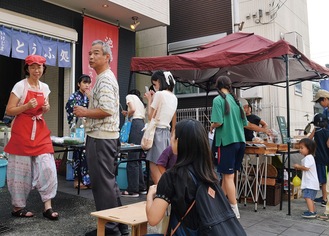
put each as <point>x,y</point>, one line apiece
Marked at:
<point>236,16</point>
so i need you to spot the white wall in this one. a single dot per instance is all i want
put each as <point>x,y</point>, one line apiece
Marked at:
<point>151,42</point>
<point>156,9</point>
<point>276,23</point>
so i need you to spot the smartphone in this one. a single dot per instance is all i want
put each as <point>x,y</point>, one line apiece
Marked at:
<point>146,89</point>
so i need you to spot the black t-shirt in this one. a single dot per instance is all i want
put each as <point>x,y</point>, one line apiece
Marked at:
<point>179,189</point>
<point>322,151</point>
<point>249,134</point>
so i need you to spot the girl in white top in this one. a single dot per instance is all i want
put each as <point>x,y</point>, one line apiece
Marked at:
<point>136,112</point>
<point>164,98</point>
<point>310,182</point>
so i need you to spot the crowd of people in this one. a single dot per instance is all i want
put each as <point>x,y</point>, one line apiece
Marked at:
<point>177,150</point>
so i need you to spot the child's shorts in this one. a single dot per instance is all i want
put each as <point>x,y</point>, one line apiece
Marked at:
<point>309,193</point>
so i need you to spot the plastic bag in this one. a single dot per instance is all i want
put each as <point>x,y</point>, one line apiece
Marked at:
<point>125,131</point>
<point>296,181</point>
<point>148,136</point>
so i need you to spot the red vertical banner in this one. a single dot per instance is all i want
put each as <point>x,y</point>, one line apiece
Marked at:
<point>94,30</point>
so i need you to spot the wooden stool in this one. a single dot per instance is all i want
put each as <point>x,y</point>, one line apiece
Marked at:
<point>132,214</point>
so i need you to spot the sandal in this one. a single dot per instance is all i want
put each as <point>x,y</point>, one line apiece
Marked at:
<point>82,186</point>
<point>49,214</point>
<point>21,213</point>
<point>129,194</point>
<point>323,217</point>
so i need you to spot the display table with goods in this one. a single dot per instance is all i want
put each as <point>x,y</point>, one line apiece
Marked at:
<point>67,144</point>
<point>252,180</point>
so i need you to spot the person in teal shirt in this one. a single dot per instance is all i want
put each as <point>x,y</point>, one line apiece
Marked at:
<point>229,120</point>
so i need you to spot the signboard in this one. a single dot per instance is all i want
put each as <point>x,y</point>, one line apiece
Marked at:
<point>22,44</point>
<point>283,129</point>
<point>97,30</point>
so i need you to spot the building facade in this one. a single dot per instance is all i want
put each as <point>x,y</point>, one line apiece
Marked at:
<point>191,25</point>
<point>63,21</point>
<point>167,27</point>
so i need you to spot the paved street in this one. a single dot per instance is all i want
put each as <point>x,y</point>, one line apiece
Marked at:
<point>75,216</point>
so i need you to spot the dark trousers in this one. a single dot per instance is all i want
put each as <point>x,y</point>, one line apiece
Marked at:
<point>135,174</point>
<point>102,155</point>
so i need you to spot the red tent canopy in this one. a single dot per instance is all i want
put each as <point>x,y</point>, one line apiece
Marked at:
<point>248,59</point>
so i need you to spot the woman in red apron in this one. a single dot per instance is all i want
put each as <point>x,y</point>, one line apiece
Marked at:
<point>31,162</point>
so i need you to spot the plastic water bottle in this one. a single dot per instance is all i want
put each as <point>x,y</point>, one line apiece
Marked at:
<point>80,130</point>
<point>72,130</point>
<point>285,179</point>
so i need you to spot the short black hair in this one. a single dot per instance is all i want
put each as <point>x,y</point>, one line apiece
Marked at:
<point>85,78</point>
<point>159,76</point>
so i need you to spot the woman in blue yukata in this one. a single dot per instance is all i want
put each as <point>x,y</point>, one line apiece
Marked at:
<point>79,98</point>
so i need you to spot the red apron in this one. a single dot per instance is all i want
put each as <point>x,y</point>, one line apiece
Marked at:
<point>30,135</point>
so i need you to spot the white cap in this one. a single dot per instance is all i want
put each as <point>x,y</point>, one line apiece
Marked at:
<point>243,102</point>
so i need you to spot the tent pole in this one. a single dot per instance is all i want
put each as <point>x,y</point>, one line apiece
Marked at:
<point>206,111</point>
<point>207,94</point>
<point>288,130</point>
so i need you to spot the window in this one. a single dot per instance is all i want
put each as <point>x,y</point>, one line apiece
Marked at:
<point>298,89</point>
<point>181,89</point>
<point>185,46</point>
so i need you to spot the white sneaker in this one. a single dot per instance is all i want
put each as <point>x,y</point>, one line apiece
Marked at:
<point>235,210</point>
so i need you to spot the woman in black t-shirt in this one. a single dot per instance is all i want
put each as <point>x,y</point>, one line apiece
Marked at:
<point>252,118</point>
<point>176,187</point>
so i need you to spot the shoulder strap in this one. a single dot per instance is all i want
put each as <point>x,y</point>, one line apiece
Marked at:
<point>190,207</point>
<point>180,221</point>
<point>191,170</point>
<point>21,101</point>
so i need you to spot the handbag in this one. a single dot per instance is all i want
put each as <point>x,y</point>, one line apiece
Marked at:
<point>125,131</point>
<point>7,119</point>
<point>148,136</point>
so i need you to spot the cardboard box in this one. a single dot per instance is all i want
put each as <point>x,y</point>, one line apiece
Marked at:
<point>299,193</point>
<point>295,192</point>
<point>282,147</point>
<point>69,171</point>
<point>273,194</point>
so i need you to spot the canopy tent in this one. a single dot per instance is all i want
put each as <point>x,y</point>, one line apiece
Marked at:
<point>248,59</point>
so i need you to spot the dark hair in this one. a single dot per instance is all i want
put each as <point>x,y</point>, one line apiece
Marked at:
<point>85,78</point>
<point>27,73</point>
<point>309,144</point>
<point>193,149</point>
<point>152,88</point>
<point>225,82</point>
<point>137,93</point>
<point>320,99</point>
<point>250,106</point>
<point>159,76</point>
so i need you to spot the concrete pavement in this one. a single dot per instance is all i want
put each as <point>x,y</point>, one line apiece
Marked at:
<point>75,216</point>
